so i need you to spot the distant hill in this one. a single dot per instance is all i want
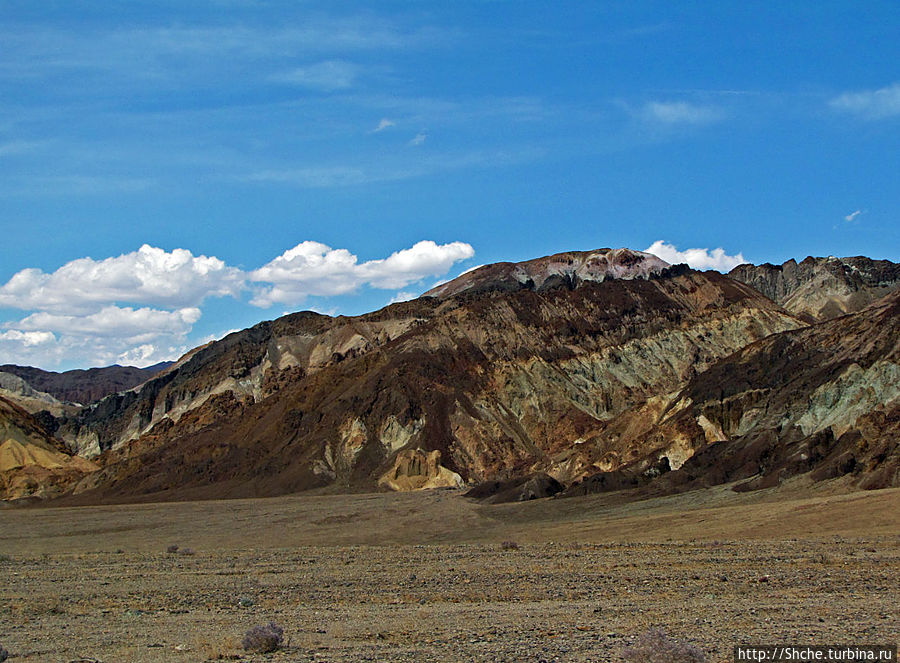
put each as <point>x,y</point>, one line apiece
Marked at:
<point>819,289</point>
<point>84,386</point>
<point>33,464</point>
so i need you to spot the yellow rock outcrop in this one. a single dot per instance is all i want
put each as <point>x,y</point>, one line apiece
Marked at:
<point>415,469</point>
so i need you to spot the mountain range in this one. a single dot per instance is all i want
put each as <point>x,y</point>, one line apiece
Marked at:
<point>574,373</point>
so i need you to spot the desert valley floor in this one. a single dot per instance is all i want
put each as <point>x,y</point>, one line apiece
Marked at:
<point>435,576</point>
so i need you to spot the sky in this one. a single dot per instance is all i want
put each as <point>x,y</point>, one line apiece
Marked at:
<point>172,171</point>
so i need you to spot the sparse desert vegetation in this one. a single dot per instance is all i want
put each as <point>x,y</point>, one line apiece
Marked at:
<point>263,639</point>
<point>655,646</point>
<point>425,577</point>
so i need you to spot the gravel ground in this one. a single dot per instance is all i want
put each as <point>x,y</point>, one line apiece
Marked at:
<point>473,602</point>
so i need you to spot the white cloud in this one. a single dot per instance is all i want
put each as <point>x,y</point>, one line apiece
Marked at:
<point>673,113</point>
<point>28,339</point>
<point>330,312</point>
<point>852,216</point>
<point>136,337</point>
<point>216,337</point>
<point>870,104</point>
<point>313,268</point>
<point>419,139</point>
<point>135,326</point>
<point>30,348</point>
<point>384,124</point>
<point>327,76</point>
<point>77,317</point>
<point>149,354</point>
<point>48,351</point>
<point>697,258</point>
<point>138,56</point>
<point>403,296</point>
<point>146,276</point>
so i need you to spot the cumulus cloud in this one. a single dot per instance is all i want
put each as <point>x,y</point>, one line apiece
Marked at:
<point>870,104</point>
<point>673,113</point>
<point>79,314</point>
<point>147,276</point>
<point>419,139</point>
<point>28,339</point>
<point>137,337</point>
<point>402,296</point>
<point>150,354</point>
<point>697,258</point>
<point>135,326</point>
<point>313,268</point>
<point>852,216</point>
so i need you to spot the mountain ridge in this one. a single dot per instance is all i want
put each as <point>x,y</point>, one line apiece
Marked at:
<point>488,379</point>
<point>576,369</point>
<point>84,386</point>
<point>818,289</point>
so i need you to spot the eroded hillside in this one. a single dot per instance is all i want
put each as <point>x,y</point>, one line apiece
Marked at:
<point>500,382</point>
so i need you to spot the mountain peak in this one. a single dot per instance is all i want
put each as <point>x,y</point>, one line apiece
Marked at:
<point>570,267</point>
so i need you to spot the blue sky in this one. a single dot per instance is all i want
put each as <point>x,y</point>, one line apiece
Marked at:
<point>176,170</point>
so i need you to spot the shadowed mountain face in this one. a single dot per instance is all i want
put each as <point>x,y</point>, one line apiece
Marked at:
<point>823,401</point>
<point>83,386</point>
<point>819,289</point>
<point>502,382</point>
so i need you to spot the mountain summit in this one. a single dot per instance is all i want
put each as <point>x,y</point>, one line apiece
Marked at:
<point>570,268</point>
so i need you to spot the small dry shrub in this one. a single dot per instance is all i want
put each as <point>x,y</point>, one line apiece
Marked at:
<point>172,549</point>
<point>219,649</point>
<point>823,558</point>
<point>263,639</point>
<point>655,646</point>
<point>3,654</point>
<point>509,545</point>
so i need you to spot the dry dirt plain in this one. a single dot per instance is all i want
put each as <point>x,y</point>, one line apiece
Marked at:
<point>425,577</point>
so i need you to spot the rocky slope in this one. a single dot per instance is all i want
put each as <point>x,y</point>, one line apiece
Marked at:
<point>503,380</point>
<point>822,288</point>
<point>32,463</point>
<point>569,269</point>
<point>17,390</point>
<point>83,386</point>
<point>821,401</point>
<point>253,363</point>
